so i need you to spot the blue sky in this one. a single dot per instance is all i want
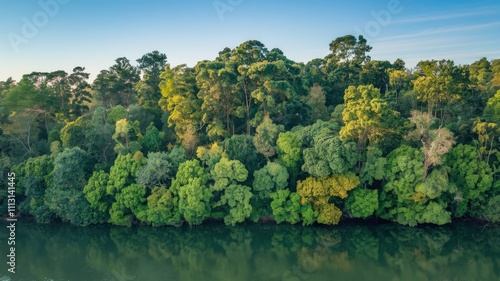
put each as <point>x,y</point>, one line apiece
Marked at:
<point>93,33</point>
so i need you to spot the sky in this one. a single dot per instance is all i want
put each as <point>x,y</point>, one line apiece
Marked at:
<point>50,35</point>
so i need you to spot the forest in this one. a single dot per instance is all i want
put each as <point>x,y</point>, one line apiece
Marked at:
<point>255,136</point>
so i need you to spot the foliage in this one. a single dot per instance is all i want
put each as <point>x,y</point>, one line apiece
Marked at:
<point>289,149</point>
<point>73,133</point>
<point>178,89</point>
<point>95,192</point>
<point>65,195</point>
<point>210,156</point>
<point>319,191</point>
<point>329,155</point>
<point>123,173</point>
<point>373,167</point>
<point>160,168</point>
<point>266,136</point>
<point>153,140</point>
<point>163,208</point>
<point>229,195</point>
<point>115,86</point>
<point>129,203</point>
<point>365,116</point>
<point>35,177</point>
<point>406,197</point>
<point>98,136</point>
<point>271,178</point>
<point>362,203</point>
<point>253,134</point>
<point>492,210</point>
<point>190,184</point>
<point>285,206</point>
<point>127,137</point>
<point>436,142</point>
<point>241,148</point>
<point>472,178</point>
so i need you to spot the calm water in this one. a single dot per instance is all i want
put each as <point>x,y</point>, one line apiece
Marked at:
<point>255,252</point>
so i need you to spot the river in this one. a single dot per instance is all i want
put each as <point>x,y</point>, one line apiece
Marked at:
<point>460,251</point>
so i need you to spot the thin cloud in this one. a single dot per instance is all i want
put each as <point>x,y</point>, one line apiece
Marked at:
<point>435,31</point>
<point>426,18</point>
<point>426,45</point>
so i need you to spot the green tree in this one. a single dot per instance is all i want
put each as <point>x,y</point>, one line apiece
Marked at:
<point>231,199</point>
<point>216,81</point>
<point>163,208</point>
<point>472,178</point>
<point>405,197</point>
<point>160,168</point>
<point>128,198</point>
<point>266,136</point>
<point>190,184</point>
<point>492,110</point>
<point>279,92</point>
<point>243,57</point>
<point>362,203</point>
<point>210,156</point>
<point>73,134</point>
<point>398,80</point>
<point>289,148</point>
<point>285,206</point>
<point>242,148</point>
<point>329,155</point>
<point>116,85</point>
<point>342,67</point>
<point>35,176</point>
<point>80,91</point>
<point>152,65</point>
<point>98,136</point>
<point>95,193</point>
<point>441,84</point>
<point>373,167</point>
<point>153,140</point>
<point>492,210</point>
<point>317,101</point>
<point>129,204</point>
<point>65,195</point>
<point>376,73</point>
<point>127,137</point>
<point>269,179</point>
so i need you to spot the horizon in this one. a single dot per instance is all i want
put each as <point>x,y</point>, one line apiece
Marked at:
<point>50,35</point>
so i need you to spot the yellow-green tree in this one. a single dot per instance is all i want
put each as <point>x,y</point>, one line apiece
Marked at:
<point>366,116</point>
<point>127,136</point>
<point>319,191</point>
<point>178,89</point>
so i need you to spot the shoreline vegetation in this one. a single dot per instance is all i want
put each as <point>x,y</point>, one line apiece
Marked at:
<point>270,221</point>
<point>255,136</point>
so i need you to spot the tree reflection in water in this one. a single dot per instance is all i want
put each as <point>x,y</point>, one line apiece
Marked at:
<point>258,252</point>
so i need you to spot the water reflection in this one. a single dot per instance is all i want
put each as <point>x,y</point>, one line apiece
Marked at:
<point>257,252</point>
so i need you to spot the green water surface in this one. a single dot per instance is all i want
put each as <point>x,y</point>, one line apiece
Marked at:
<point>461,251</point>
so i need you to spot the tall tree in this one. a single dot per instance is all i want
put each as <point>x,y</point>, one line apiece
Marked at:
<point>366,117</point>
<point>217,81</point>
<point>179,90</point>
<point>152,65</point>
<point>116,85</point>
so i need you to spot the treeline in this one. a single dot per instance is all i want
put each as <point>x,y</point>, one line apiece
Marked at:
<point>253,135</point>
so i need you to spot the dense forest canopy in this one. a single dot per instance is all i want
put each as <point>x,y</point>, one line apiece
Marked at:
<point>253,135</point>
